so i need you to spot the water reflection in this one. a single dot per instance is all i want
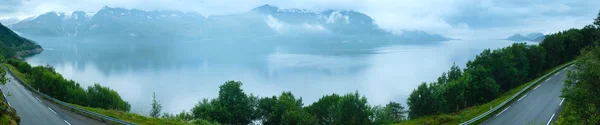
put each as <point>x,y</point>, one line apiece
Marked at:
<point>184,74</point>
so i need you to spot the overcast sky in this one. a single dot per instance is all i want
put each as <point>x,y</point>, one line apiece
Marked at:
<point>456,18</point>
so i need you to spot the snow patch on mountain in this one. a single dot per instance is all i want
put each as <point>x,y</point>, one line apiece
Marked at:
<point>316,27</point>
<point>274,23</point>
<point>335,16</point>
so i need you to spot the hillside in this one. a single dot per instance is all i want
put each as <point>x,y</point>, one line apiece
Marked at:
<point>12,45</point>
<point>535,37</point>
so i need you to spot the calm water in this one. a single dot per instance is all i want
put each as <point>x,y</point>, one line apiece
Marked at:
<point>184,73</point>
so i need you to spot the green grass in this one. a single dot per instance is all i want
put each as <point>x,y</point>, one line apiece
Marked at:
<point>18,73</point>
<point>5,120</point>
<point>472,112</point>
<point>134,118</point>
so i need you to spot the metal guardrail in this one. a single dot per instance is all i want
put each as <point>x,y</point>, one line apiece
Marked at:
<point>85,112</point>
<point>511,98</point>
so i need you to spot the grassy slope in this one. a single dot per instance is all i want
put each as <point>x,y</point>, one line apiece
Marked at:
<point>10,118</point>
<point>134,118</point>
<point>472,112</point>
<point>127,116</point>
<point>18,73</point>
<point>6,120</point>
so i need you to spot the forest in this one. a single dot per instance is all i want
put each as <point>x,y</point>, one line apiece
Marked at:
<point>496,71</point>
<point>581,90</point>
<point>234,106</point>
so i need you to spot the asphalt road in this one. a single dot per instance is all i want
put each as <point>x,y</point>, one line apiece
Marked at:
<point>34,110</point>
<point>540,105</point>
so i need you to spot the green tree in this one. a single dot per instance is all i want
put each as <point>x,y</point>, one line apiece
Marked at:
<point>455,72</point>
<point>326,110</point>
<point>233,105</point>
<point>581,90</point>
<point>354,109</point>
<point>421,102</point>
<point>590,34</point>
<point>3,78</point>
<point>454,95</point>
<point>392,113</point>
<point>554,46</point>
<point>536,56</point>
<point>350,109</point>
<point>106,98</point>
<point>204,110</point>
<point>285,109</point>
<point>597,20</point>
<point>480,86</point>
<point>156,107</point>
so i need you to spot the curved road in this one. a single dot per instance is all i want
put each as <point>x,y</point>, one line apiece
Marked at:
<point>540,105</point>
<point>36,111</point>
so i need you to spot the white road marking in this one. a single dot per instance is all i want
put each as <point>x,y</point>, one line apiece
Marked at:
<point>8,103</point>
<point>52,111</point>
<point>550,119</point>
<point>536,87</point>
<point>38,99</point>
<point>502,111</point>
<point>67,122</point>
<point>522,97</point>
<point>561,101</point>
<point>556,74</point>
<point>547,80</point>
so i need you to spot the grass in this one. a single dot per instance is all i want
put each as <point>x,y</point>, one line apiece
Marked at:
<point>134,118</point>
<point>5,120</point>
<point>18,73</point>
<point>472,112</point>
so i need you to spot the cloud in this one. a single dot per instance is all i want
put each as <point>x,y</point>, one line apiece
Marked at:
<point>454,18</point>
<point>9,6</point>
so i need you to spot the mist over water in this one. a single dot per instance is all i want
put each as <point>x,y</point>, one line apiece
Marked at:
<point>183,73</point>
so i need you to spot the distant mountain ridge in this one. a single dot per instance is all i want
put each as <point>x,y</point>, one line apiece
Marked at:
<point>9,21</point>
<point>259,23</point>
<point>536,37</point>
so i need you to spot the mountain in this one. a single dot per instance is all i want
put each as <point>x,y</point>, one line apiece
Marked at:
<point>539,39</point>
<point>534,35</point>
<point>264,23</point>
<point>517,37</point>
<point>52,24</point>
<point>9,21</point>
<point>528,37</point>
<point>12,45</point>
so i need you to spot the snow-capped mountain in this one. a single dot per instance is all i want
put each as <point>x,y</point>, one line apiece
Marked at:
<point>53,24</point>
<point>108,22</point>
<point>264,23</point>
<point>340,22</point>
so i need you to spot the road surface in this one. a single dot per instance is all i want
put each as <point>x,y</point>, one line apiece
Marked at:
<point>540,105</point>
<point>34,110</point>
